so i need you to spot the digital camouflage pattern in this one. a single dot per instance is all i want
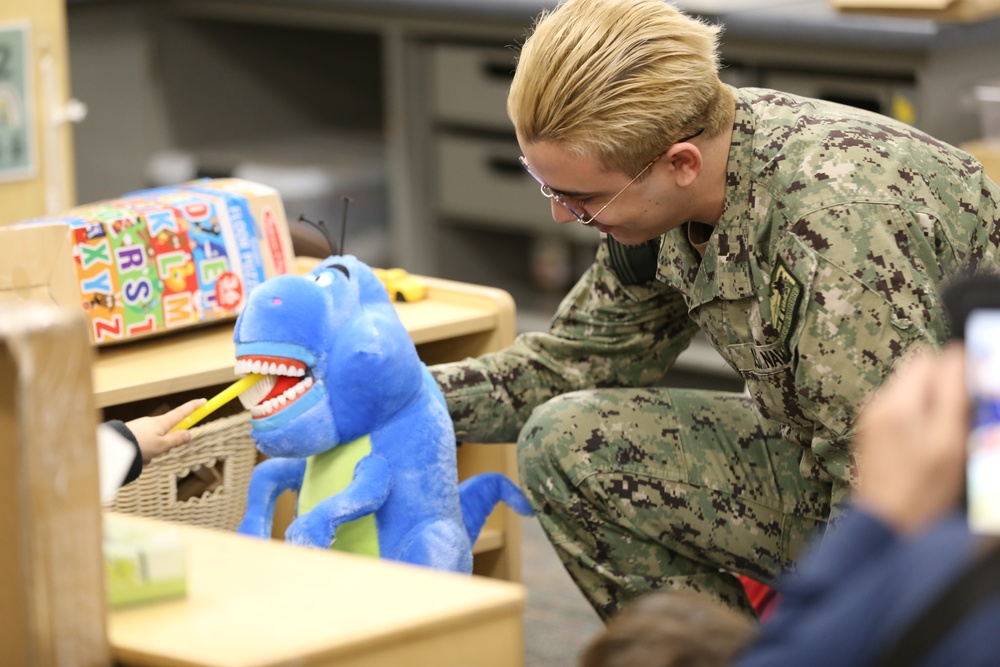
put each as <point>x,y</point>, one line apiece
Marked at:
<point>838,230</point>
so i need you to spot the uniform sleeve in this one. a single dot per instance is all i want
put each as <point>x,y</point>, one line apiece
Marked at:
<point>872,294</point>
<point>604,334</point>
<point>851,340</point>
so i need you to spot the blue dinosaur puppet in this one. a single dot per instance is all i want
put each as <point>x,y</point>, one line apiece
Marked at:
<point>351,419</point>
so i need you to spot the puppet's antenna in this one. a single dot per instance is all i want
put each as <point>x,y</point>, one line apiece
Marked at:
<point>343,224</point>
<point>324,230</point>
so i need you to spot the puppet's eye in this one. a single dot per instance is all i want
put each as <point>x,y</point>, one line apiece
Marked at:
<point>323,279</point>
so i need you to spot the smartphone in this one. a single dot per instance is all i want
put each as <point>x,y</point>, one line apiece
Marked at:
<point>982,346</point>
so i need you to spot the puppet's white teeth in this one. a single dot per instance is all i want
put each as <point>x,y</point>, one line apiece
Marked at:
<point>259,411</point>
<point>290,369</point>
<point>299,389</point>
<point>278,402</point>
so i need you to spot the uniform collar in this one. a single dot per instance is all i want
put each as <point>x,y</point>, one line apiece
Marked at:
<point>728,268</point>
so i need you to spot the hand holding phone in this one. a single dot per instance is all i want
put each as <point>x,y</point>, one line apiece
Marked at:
<point>982,348</point>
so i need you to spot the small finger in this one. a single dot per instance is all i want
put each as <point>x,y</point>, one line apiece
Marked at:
<point>185,409</point>
<point>951,397</point>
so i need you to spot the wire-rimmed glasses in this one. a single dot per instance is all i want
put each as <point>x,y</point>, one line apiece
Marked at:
<point>582,217</point>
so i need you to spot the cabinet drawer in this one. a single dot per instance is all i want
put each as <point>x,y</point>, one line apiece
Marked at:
<point>469,85</point>
<point>481,179</point>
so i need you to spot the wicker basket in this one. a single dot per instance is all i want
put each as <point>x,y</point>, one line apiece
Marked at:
<point>203,483</point>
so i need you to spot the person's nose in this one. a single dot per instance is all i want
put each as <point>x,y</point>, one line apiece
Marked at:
<point>560,213</point>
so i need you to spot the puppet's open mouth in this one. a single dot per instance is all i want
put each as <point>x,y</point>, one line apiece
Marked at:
<point>285,381</point>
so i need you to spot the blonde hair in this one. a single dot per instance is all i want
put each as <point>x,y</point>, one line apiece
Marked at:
<point>618,79</point>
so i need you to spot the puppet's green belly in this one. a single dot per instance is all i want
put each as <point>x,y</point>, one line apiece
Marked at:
<point>328,474</point>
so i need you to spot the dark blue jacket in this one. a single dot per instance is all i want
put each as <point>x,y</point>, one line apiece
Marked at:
<point>861,586</point>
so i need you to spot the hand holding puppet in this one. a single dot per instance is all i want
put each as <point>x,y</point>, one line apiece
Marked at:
<point>351,419</point>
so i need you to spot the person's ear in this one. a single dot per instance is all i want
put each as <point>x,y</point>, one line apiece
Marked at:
<point>685,162</point>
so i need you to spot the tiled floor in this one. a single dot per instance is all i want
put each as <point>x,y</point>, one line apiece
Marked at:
<point>558,620</point>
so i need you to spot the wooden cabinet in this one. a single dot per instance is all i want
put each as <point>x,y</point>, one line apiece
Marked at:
<point>254,602</point>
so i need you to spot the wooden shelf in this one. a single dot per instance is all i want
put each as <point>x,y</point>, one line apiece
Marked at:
<point>490,539</point>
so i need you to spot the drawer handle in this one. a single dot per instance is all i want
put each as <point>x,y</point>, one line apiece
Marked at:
<point>497,70</point>
<point>505,166</point>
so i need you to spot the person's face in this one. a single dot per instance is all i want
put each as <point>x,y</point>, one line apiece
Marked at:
<point>630,209</point>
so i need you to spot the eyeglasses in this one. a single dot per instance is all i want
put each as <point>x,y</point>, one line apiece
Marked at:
<point>582,217</point>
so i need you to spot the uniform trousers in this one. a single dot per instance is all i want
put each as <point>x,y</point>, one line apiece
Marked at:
<point>640,489</point>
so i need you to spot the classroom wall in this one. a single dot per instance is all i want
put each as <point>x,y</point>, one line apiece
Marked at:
<point>36,153</point>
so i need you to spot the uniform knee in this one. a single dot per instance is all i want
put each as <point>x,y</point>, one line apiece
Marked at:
<point>547,448</point>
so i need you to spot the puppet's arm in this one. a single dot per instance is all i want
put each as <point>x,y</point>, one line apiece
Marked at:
<point>366,493</point>
<point>269,479</point>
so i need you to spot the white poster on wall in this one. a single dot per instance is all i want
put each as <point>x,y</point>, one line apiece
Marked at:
<point>18,160</point>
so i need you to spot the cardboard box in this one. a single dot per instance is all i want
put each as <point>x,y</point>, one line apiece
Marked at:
<point>152,261</point>
<point>940,10</point>
<point>987,152</point>
<point>52,600</point>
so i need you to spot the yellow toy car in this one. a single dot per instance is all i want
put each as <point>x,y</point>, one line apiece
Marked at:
<point>400,285</point>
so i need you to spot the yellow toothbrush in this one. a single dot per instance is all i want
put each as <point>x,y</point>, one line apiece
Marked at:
<point>220,399</point>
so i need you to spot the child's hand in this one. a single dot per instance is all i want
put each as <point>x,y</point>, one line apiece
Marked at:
<point>154,434</point>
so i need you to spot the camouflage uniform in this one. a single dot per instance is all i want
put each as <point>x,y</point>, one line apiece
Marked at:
<point>824,269</point>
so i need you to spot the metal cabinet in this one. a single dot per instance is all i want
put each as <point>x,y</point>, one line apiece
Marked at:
<point>478,193</point>
<point>432,80</point>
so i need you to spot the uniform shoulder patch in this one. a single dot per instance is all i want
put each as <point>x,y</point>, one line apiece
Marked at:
<point>786,295</point>
<point>634,264</point>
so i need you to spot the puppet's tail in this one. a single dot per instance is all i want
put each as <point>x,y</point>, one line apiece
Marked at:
<point>480,494</point>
